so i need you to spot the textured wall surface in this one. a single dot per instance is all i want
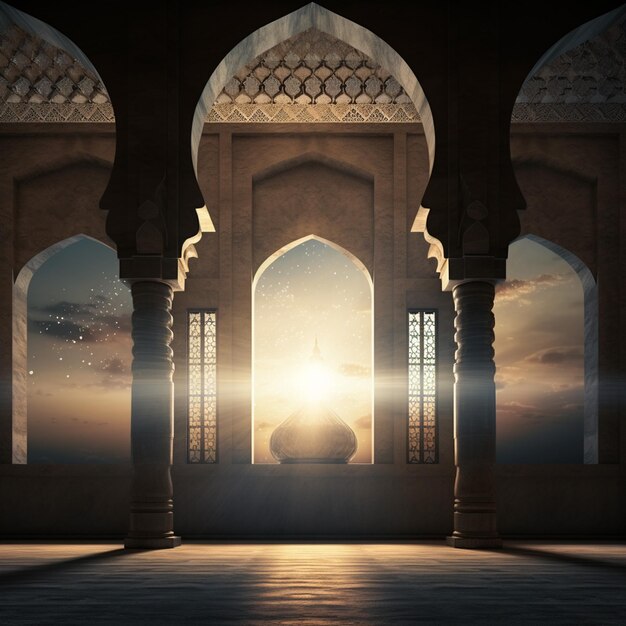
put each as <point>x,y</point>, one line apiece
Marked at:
<point>569,176</point>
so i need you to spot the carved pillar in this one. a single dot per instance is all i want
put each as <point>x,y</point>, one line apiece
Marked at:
<point>474,418</point>
<point>151,514</point>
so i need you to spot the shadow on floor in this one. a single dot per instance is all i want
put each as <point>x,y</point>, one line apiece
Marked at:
<point>560,557</point>
<point>35,571</point>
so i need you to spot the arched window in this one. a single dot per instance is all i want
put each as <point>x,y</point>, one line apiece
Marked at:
<point>312,293</point>
<point>78,354</point>
<point>546,356</point>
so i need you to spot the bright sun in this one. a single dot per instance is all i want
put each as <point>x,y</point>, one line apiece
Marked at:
<point>312,290</point>
<point>315,380</point>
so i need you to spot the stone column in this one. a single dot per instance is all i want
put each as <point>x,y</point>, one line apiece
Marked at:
<point>474,418</point>
<point>151,514</point>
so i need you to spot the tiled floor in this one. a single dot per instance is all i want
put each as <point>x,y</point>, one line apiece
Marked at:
<point>313,583</point>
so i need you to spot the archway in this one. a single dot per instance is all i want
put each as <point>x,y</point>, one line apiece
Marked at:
<point>312,293</point>
<point>311,16</point>
<point>546,356</point>
<point>71,337</point>
<point>48,78</point>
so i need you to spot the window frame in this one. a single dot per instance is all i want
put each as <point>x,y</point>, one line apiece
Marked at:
<point>409,454</point>
<point>203,312</point>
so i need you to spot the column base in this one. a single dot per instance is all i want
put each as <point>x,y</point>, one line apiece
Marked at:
<point>151,543</point>
<point>474,543</point>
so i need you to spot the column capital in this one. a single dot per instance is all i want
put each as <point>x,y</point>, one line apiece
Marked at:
<point>158,268</point>
<point>474,262</point>
<point>468,269</point>
<point>143,268</point>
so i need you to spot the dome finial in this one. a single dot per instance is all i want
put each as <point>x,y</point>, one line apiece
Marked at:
<point>314,433</point>
<point>316,355</point>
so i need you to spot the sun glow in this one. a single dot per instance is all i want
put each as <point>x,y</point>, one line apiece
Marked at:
<point>315,381</point>
<point>312,291</point>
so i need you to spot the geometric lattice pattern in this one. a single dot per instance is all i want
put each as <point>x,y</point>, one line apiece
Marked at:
<point>561,112</point>
<point>592,72</point>
<point>313,77</point>
<point>422,418</point>
<point>202,386</point>
<point>52,112</point>
<point>312,113</point>
<point>313,68</point>
<point>34,71</point>
<point>584,84</point>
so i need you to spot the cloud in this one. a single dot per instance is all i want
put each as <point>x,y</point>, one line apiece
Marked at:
<point>120,324</point>
<point>557,356</point>
<point>117,374</point>
<point>263,426</point>
<point>515,373</point>
<point>501,383</point>
<point>114,366</point>
<point>354,370</point>
<point>63,329</point>
<point>516,289</point>
<point>110,382</point>
<point>365,421</point>
<point>63,307</point>
<point>520,410</point>
<point>575,407</point>
<point>561,387</point>
<point>543,403</point>
<point>94,327</point>
<point>516,406</point>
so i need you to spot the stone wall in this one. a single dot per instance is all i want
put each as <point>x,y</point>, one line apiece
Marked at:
<point>251,176</point>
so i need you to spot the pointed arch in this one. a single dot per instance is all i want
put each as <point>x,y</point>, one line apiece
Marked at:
<point>580,95</point>
<point>548,382</point>
<point>313,16</point>
<point>19,348</point>
<point>590,343</point>
<point>351,374</point>
<point>20,325</point>
<point>294,244</point>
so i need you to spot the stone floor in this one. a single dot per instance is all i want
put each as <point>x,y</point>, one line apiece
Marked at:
<point>313,583</point>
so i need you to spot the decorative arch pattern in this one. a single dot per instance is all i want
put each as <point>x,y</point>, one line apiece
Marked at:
<point>312,16</point>
<point>45,76</point>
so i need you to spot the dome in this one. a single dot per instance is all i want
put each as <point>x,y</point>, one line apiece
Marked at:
<point>313,434</point>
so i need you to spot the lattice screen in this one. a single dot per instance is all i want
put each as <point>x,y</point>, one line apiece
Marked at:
<point>422,418</point>
<point>202,390</point>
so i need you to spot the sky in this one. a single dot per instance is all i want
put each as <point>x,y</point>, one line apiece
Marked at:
<point>313,291</point>
<point>539,314</point>
<point>79,351</point>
